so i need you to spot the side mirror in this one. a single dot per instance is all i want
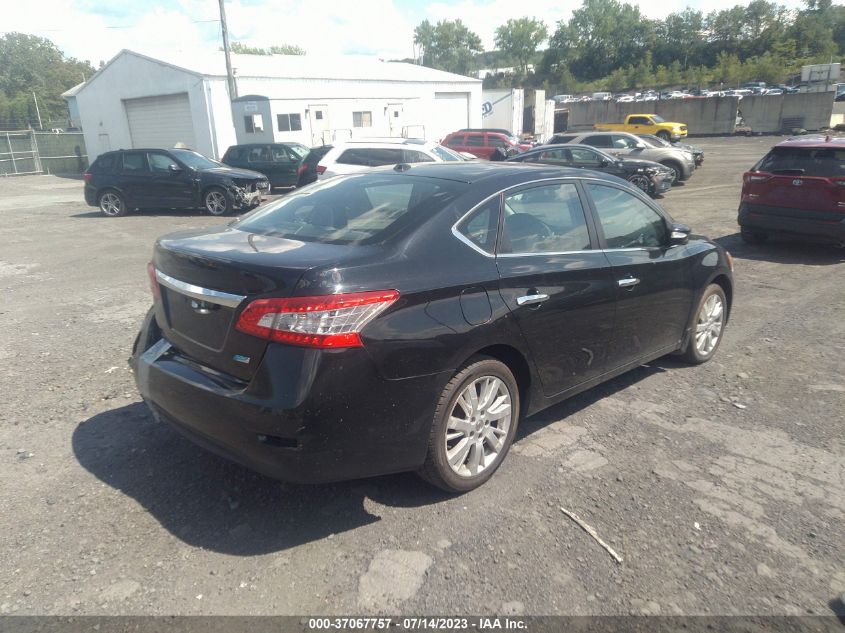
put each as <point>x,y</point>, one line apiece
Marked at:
<point>678,234</point>
<point>175,169</point>
<point>604,162</point>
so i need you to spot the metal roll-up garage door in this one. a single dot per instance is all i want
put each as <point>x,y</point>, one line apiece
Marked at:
<point>451,113</point>
<point>160,121</point>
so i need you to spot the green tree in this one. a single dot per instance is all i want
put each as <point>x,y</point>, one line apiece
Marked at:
<point>287,49</point>
<point>282,49</point>
<point>30,64</point>
<point>520,39</point>
<point>449,46</point>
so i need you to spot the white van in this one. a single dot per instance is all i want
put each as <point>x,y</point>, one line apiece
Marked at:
<point>602,96</point>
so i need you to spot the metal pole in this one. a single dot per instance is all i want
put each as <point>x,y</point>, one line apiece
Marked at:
<point>12,153</point>
<point>37,111</point>
<point>233,88</point>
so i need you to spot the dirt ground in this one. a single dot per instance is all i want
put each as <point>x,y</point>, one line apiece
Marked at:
<point>721,486</point>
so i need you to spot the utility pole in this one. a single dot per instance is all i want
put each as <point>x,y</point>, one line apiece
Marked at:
<point>37,111</point>
<point>233,88</point>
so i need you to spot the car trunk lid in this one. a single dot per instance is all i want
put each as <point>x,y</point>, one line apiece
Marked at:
<point>205,279</point>
<point>793,190</point>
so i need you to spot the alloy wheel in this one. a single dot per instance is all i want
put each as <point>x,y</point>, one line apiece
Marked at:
<point>708,328</point>
<point>478,426</point>
<point>215,202</point>
<point>111,204</point>
<point>640,182</point>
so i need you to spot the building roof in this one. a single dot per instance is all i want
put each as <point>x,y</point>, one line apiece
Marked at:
<point>346,67</point>
<point>72,91</point>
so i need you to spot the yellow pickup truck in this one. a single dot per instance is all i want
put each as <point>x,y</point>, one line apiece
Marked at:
<point>647,124</point>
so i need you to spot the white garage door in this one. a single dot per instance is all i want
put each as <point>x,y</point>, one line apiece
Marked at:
<point>160,121</point>
<point>450,113</point>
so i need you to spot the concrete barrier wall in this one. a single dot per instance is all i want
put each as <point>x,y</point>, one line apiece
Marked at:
<point>702,116</point>
<point>781,113</point>
<point>765,114</point>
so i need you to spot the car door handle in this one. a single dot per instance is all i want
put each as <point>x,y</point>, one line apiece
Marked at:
<point>628,282</point>
<point>530,300</point>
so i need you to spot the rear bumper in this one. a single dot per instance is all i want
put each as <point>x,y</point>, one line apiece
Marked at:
<point>307,416</point>
<point>820,225</point>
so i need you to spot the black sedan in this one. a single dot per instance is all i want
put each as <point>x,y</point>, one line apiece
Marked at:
<point>652,178</point>
<point>169,179</point>
<point>404,319</point>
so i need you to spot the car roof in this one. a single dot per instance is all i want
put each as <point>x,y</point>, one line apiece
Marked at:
<point>814,140</point>
<point>408,143</point>
<point>473,172</point>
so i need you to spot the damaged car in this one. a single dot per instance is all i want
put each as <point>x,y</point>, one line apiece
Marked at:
<point>123,180</point>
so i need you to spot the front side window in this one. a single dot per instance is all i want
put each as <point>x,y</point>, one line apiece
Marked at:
<point>289,122</point>
<point>545,219</point>
<point>360,209</point>
<point>552,156</point>
<point>160,162</point>
<point>639,120</point>
<point>362,119</point>
<point>496,141</point>
<point>259,154</point>
<point>483,225</point>
<point>627,221</point>
<point>584,157</point>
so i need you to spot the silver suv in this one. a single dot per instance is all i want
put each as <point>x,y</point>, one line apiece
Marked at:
<point>626,145</point>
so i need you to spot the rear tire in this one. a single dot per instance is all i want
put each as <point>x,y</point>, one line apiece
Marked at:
<point>217,201</point>
<point>112,204</point>
<point>707,327</point>
<point>752,237</point>
<point>474,425</point>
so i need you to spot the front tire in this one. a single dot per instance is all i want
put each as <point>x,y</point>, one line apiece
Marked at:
<point>112,204</point>
<point>664,135</point>
<point>708,326</point>
<point>679,174</point>
<point>217,201</point>
<point>474,425</point>
<point>643,183</point>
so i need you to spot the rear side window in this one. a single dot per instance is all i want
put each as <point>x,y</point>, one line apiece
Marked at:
<point>134,161</point>
<point>494,140</point>
<point>104,163</point>
<point>598,141</point>
<point>363,209</point>
<point>545,219</point>
<point>825,162</point>
<point>380,156</point>
<point>562,138</point>
<point>356,156</point>
<point>481,227</point>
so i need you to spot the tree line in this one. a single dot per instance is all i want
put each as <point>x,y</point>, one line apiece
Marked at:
<point>608,44</point>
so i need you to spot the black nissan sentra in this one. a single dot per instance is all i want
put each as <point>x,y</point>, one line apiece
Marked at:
<point>404,319</point>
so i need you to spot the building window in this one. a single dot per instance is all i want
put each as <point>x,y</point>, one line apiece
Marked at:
<point>254,123</point>
<point>318,115</point>
<point>289,122</point>
<point>362,119</point>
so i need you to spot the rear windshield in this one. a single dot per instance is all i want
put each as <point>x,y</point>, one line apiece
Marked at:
<point>360,209</point>
<point>826,162</point>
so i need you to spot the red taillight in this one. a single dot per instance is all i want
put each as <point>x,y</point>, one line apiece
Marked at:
<point>329,321</point>
<point>151,273</point>
<point>321,169</point>
<point>86,176</point>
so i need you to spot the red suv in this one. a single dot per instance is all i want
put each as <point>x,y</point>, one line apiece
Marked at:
<point>482,143</point>
<point>798,188</point>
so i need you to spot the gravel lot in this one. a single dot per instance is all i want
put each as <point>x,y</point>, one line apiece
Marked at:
<point>721,486</point>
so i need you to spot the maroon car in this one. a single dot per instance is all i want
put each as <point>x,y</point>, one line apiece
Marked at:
<point>797,189</point>
<point>483,143</point>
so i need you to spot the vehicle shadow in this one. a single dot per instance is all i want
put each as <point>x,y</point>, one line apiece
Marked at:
<point>209,502</point>
<point>783,251</point>
<point>153,213</point>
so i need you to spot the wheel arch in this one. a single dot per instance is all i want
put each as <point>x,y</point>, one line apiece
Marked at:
<point>723,281</point>
<point>516,362</point>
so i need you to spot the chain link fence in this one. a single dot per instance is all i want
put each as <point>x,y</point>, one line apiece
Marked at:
<point>28,152</point>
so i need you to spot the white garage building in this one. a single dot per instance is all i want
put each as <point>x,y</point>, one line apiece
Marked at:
<point>138,101</point>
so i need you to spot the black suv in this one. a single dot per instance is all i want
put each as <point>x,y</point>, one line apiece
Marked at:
<point>280,162</point>
<point>171,179</point>
<point>652,178</point>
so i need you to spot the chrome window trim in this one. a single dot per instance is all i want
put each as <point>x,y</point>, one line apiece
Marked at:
<point>198,292</point>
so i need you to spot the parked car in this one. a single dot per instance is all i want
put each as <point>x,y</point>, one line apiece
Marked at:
<point>280,162</point>
<point>483,143</point>
<point>405,319</point>
<point>798,188</point>
<point>122,180</point>
<point>362,155</point>
<point>656,141</point>
<point>307,172</point>
<point>621,144</point>
<point>652,178</point>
